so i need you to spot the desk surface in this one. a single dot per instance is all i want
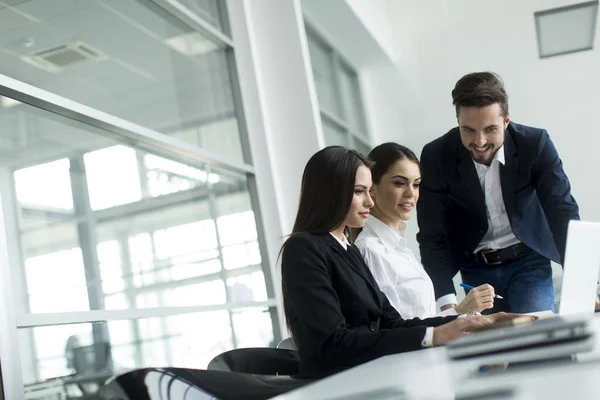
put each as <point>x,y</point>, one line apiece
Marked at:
<point>429,374</point>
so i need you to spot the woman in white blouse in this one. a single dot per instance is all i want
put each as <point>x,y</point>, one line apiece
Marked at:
<point>396,178</point>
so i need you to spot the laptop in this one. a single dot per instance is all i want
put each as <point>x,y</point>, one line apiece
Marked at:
<point>569,333</point>
<point>582,265</point>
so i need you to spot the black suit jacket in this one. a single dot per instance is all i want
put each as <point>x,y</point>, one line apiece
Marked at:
<point>337,315</point>
<point>452,211</point>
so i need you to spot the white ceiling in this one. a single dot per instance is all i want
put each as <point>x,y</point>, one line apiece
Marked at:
<point>142,80</point>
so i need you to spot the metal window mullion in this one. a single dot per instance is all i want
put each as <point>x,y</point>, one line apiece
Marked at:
<point>127,271</point>
<point>253,190</point>
<point>337,87</point>
<point>182,13</point>
<point>163,322</point>
<point>265,261</point>
<point>214,213</point>
<point>80,317</point>
<point>142,173</point>
<point>191,281</point>
<point>88,242</point>
<point>239,107</point>
<point>10,208</point>
<point>333,119</point>
<point>106,124</point>
<point>10,360</point>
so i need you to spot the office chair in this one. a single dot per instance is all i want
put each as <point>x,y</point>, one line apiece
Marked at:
<point>287,343</point>
<point>92,358</point>
<point>257,360</point>
<point>92,365</point>
<point>188,384</point>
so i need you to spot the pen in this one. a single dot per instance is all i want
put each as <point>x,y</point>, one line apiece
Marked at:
<point>497,296</point>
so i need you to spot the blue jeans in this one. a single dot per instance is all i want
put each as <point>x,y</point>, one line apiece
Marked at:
<point>525,282</point>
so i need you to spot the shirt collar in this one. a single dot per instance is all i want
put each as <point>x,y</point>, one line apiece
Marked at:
<point>344,243</point>
<point>500,155</point>
<point>389,237</point>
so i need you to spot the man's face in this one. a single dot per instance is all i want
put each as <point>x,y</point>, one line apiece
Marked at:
<point>482,131</point>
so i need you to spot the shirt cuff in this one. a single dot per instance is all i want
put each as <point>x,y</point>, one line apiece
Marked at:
<point>447,299</point>
<point>428,339</point>
<point>445,313</point>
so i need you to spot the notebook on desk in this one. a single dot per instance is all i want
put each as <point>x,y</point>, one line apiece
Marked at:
<point>569,333</point>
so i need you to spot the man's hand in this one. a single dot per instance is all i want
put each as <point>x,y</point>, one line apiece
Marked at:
<point>479,299</point>
<point>597,306</point>
<point>459,327</point>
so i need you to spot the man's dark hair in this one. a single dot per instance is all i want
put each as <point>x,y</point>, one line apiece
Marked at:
<point>480,89</point>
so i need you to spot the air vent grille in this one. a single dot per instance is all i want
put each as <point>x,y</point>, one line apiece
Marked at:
<point>58,58</point>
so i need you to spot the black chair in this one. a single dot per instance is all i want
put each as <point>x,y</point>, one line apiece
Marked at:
<point>287,343</point>
<point>191,384</point>
<point>257,360</point>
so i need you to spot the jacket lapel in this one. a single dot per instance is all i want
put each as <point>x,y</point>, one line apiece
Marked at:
<point>469,177</point>
<point>508,173</point>
<point>355,262</point>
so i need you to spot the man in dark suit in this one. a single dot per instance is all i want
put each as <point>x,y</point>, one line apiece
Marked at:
<point>495,202</point>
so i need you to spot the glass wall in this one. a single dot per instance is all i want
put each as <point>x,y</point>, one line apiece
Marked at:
<point>340,100</point>
<point>134,204</point>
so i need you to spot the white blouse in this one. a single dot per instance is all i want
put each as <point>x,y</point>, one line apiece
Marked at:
<point>397,271</point>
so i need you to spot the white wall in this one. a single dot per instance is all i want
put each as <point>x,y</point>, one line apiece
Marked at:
<point>361,33</point>
<point>437,42</point>
<point>282,114</point>
<point>373,16</point>
<point>419,49</point>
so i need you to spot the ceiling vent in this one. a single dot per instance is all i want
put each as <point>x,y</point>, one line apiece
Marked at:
<point>58,58</point>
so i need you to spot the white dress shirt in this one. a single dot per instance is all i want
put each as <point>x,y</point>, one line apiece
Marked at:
<point>499,234</point>
<point>428,338</point>
<point>397,271</point>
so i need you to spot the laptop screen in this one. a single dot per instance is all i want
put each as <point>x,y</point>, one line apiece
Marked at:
<point>581,267</point>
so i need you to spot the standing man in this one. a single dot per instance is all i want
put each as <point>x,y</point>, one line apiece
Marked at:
<point>495,202</point>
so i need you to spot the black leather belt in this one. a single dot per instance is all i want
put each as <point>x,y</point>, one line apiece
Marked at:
<point>497,257</point>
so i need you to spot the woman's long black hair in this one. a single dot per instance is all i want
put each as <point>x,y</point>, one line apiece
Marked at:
<point>327,189</point>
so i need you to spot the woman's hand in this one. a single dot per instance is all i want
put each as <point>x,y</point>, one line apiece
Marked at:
<point>462,326</point>
<point>479,299</point>
<point>459,327</point>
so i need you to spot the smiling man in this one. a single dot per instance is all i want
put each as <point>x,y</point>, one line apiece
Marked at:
<point>495,202</point>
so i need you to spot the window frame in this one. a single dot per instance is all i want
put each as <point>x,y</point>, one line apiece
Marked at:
<point>340,66</point>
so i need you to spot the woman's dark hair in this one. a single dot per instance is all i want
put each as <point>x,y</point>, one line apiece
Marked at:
<point>327,189</point>
<point>385,155</point>
<point>480,89</point>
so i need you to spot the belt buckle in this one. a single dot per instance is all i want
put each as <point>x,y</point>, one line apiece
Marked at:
<point>486,260</point>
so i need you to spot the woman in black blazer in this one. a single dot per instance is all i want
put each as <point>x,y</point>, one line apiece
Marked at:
<point>336,313</point>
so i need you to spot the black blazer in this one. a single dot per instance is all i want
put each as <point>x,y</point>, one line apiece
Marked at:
<point>452,212</point>
<point>337,315</point>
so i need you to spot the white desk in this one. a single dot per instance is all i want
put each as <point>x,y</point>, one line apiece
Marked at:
<point>429,374</point>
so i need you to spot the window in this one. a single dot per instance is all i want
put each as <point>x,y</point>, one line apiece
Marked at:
<point>148,68</point>
<point>340,101</point>
<point>129,194</point>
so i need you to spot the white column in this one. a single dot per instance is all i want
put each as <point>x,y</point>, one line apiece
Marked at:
<point>10,361</point>
<point>281,109</point>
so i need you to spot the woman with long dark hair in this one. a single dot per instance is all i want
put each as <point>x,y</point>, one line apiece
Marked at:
<point>337,315</point>
<point>396,178</point>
